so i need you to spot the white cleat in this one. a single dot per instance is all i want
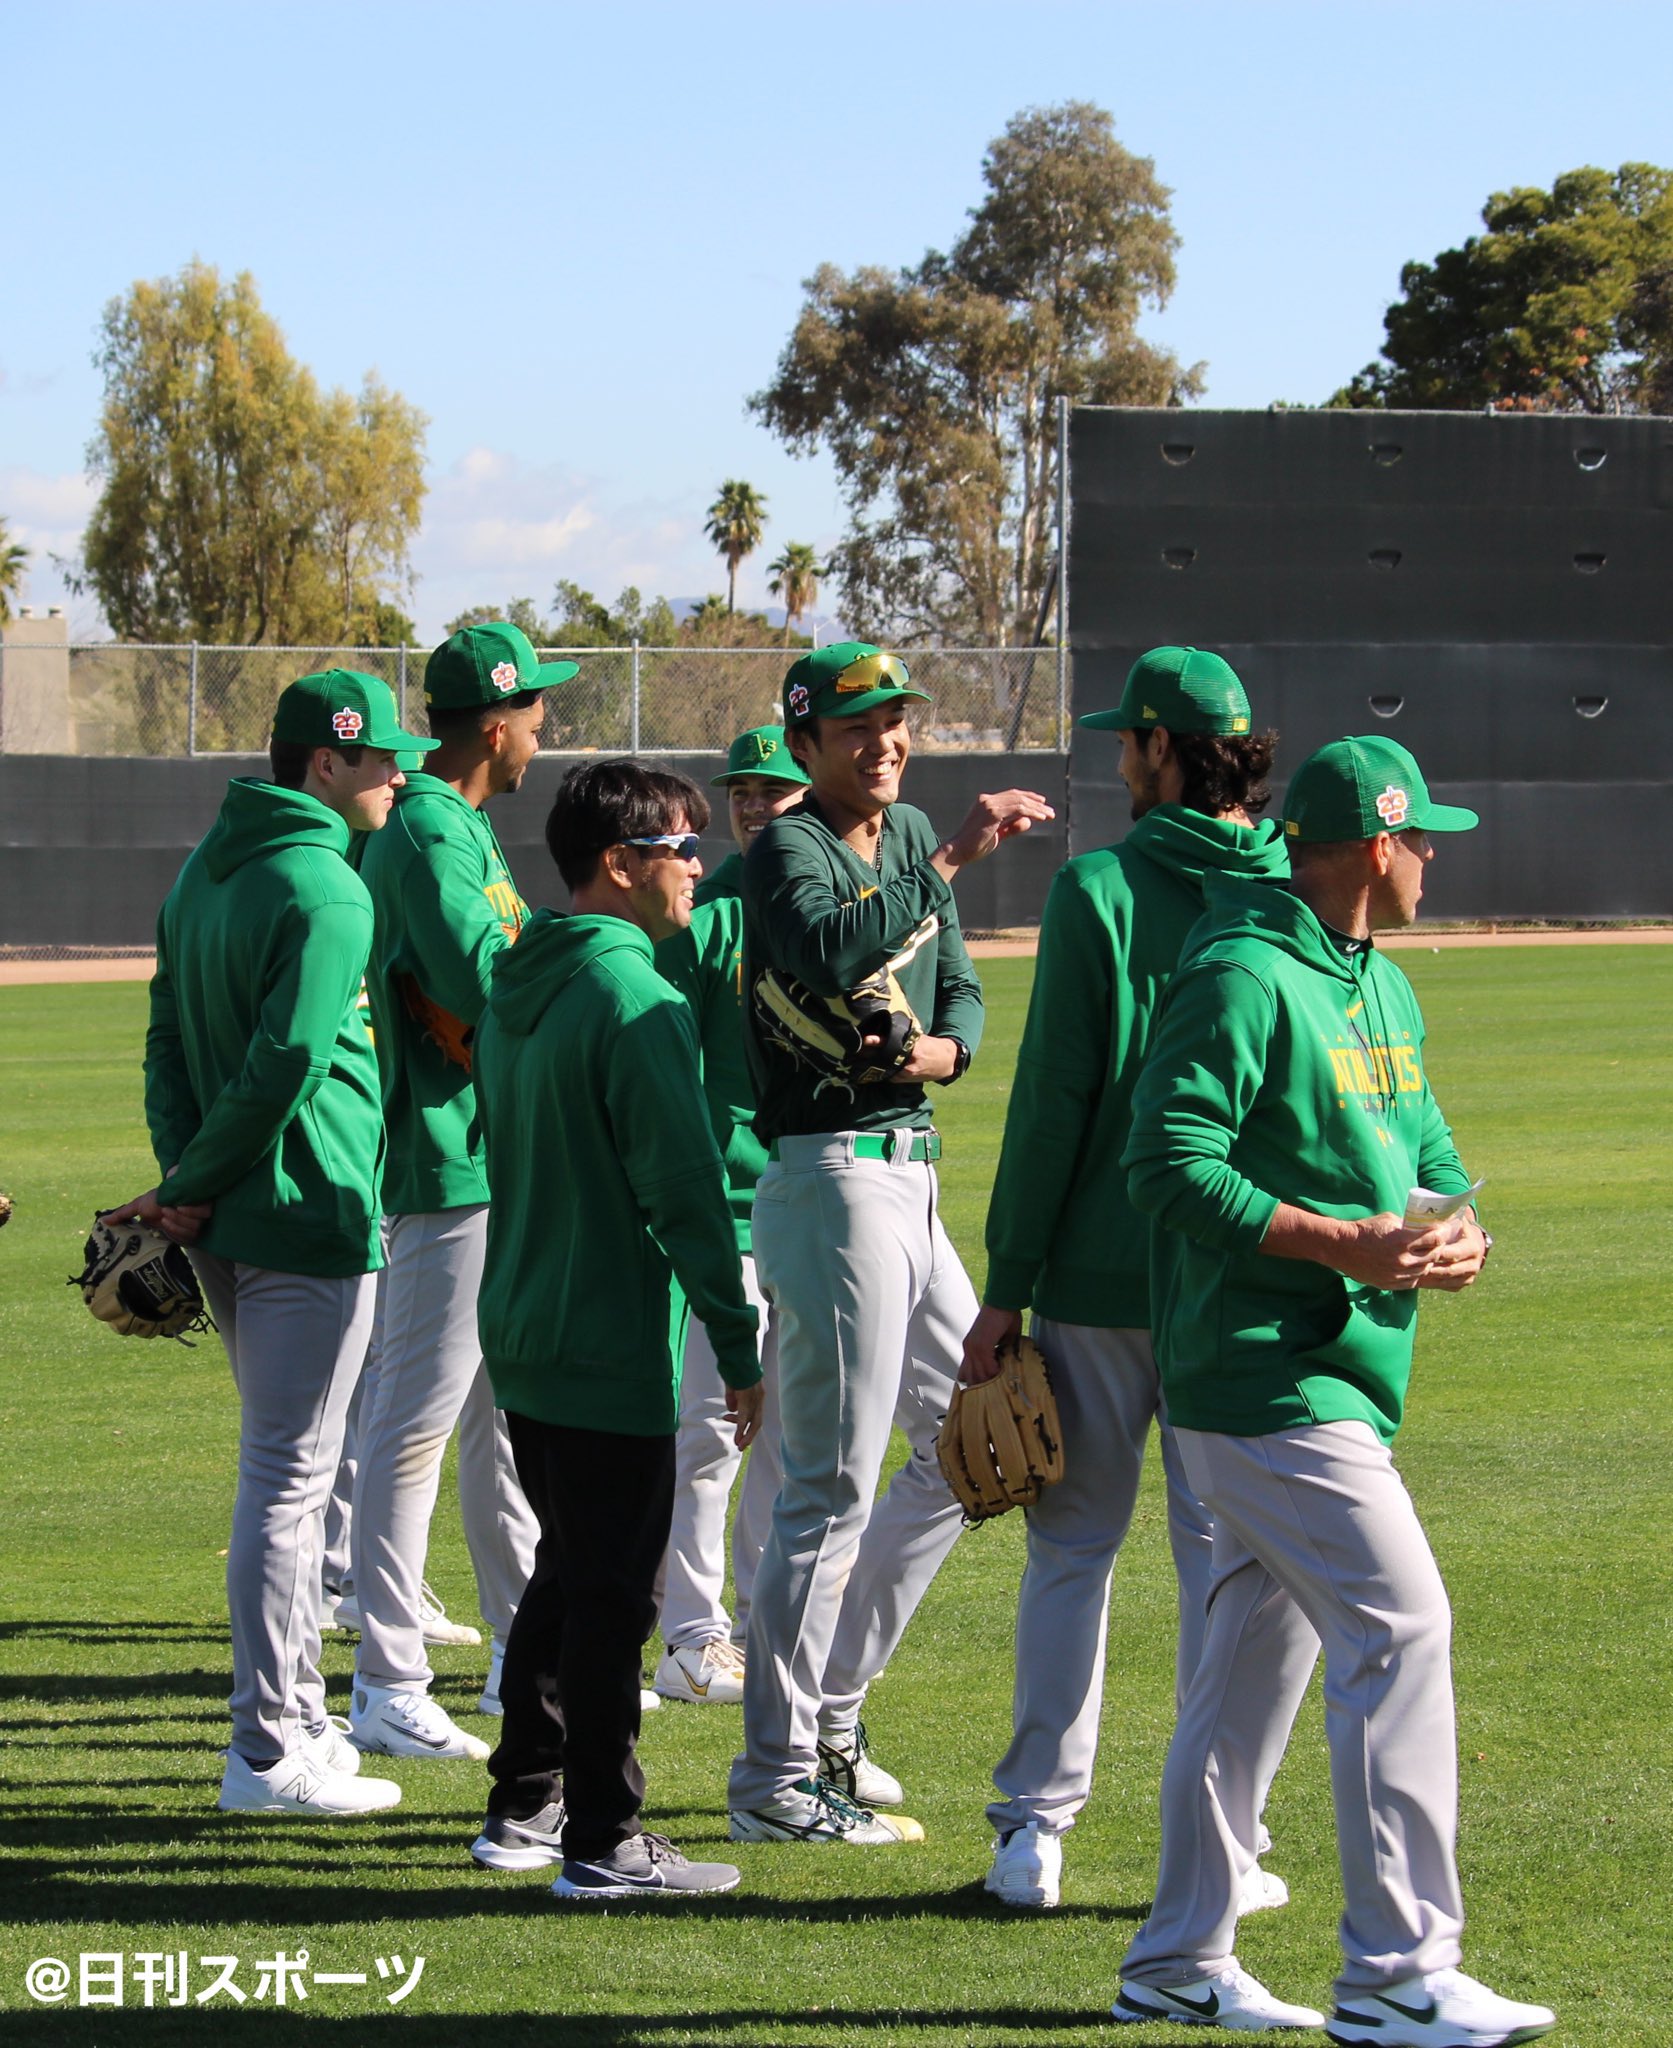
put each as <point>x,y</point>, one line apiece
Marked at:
<point>814,1811</point>
<point>1444,2009</point>
<point>845,1761</point>
<point>432,1616</point>
<point>710,1674</point>
<point>299,1784</point>
<point>1233,2000</point>
<point>398,1721</point>
<point>1262,1891</point>
<point>1027,1867</point>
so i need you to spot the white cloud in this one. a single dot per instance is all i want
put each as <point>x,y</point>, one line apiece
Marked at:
<point>47,515</point>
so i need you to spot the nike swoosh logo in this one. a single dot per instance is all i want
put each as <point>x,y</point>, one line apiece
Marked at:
<point>429,1741</point>
<point>1207,2007</point>
<point>1423,2014</point>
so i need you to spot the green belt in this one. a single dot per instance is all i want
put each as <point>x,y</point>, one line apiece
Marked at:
<point>924,1148</point>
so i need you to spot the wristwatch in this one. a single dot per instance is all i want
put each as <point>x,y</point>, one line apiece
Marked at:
<point>961,1062</point>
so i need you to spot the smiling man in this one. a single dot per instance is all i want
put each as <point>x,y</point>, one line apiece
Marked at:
<point>607,1214</point>
<point>261,1093</point>
<point>871,1299</point>
<point>1280,1125</point>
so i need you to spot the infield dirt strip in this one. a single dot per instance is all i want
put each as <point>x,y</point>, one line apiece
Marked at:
<point>25,973</point>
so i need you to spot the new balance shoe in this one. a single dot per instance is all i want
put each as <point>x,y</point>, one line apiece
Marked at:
<point>437,1628</point>
<point>815,1811</point>
<point>490,1701</point>
<point>845,1761</point>
<point>397,1721</point>
<point>1261,1891</point>
<point>507,1844</point>
<point>1027,1867</point>
<point>331,1745</point>
<point>646,1866</point>
<point>1233,2000</point>
<point>710,1673</point>
<point>1444,2009</point>
<point>300,1784</point>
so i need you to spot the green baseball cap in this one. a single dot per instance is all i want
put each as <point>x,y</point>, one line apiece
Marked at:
<point>340,707</point>
<point>486,664</point>
<point>760,751</point>
<point>1354,789</point>
<point>848,676</point>
<point>1187,689</point>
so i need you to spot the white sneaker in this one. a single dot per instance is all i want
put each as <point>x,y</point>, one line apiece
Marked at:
<point>1232,2000</point>
<point>815,1811</point>
<point>845,1762</point>
<point>649,1702</point>
<point>1261,1892</point>
<point>490,1700</point>
<point>711,1673</point>
<point>397,1721</point>
<point>331,1745</point>
<point>1026,1868</point>
<point>437,1628</point>
<point>298,1783</point>
<point>1444,2009</point>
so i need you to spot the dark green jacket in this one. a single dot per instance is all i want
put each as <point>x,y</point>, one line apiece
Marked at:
<point>705,963</point>
<point>1287,1067</point>
<point>445,905</point>
<point>815,910</point>
<point>261,1088</point>
<point>1062,1236</point>
<point>606,1195</point>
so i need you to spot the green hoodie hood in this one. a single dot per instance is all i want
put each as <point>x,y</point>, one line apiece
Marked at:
<point>259,818</point>
<point>1062,1235</point>
<point>1287,1067</point>
<point>550,952</point>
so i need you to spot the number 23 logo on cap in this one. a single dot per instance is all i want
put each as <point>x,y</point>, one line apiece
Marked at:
<point>503,675</point>
<point>1394,807</point>
<point>346,724</point>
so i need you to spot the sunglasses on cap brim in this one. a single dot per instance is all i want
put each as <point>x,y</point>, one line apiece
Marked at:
<point>872,672</point>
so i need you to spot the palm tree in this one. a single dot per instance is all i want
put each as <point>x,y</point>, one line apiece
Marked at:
<point>795,577</point>
<point>13,556</point>
<point>735,521</point>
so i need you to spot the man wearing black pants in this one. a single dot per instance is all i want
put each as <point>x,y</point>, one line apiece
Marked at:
<point>607,1214</point>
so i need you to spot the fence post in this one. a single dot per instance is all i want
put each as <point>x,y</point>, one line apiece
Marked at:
<point>403,688</point>
<point>192,705</point>
<point>1062,574</point>
<point>633,740</point>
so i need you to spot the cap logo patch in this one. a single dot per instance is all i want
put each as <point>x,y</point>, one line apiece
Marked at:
<point>798,700</point>
<point>503,675</point>
<point>345,724</point>
<point>1150,714</point>
<point>1394,807</point>
<point>1240,725</point>
<point>765,748</point>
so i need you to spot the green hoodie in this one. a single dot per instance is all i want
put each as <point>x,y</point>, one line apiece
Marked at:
<point>606,1195</point>
<point>261,1087</point>
<point>705,963</point>
<point>445,905</point>
<point>1062,1236</point>
<point>1287,1067</point>
<point>814,909</point>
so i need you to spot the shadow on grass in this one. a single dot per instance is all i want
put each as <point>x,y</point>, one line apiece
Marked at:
<point>117,1631</point>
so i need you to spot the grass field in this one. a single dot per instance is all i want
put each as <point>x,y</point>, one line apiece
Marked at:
<point>1538,1450</point>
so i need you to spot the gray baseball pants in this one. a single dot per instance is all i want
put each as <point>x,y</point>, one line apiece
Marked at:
<point>706,1462</point>
<point>1313,1525</point>
<point>295,1344</point>
<point>430,1377</point>
<point>873,1307</point>
<point>1107,1393</point>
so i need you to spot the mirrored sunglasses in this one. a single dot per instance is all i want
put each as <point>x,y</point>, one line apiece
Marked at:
<point>682,845</point>
<point>872,672</point>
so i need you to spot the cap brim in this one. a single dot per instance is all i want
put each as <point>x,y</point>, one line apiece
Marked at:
<point>1107,721</point>
<point>764,774</point>
<point>868,700</point>
<point>552,673</point>
<point>1449,818</point>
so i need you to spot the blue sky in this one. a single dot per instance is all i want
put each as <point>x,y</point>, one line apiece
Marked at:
<point>575,235</point>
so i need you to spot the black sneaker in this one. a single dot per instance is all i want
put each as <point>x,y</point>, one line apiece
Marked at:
<point>643,1865</point>
<point>506,1844</point>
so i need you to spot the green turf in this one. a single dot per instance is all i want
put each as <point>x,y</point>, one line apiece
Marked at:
<point>1537,1448</point>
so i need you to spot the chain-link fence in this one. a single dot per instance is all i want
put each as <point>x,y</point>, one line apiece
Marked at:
<point>115,699</point>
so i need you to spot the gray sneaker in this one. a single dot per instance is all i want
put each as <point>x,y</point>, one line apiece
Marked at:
<point>644,1866</point>
<point>507,1844</point>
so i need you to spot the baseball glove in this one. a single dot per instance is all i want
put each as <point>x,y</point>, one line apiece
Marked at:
<point>829,1034</point>
<point>450,1035</point>
<point>1001,1441</point>
<point>140,1283</point>
<point>5,1209</point>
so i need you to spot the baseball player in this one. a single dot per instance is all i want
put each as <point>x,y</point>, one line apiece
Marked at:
<point>871,1299</point>
<point>1279,1129</point>
<point>261,1093</point>
<point>607,1200</point>
<point>445,907</point>
<point>1063,1238</point>
<point>702,1660</point>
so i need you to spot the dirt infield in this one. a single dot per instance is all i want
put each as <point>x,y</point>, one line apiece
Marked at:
<point>995,946</point>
